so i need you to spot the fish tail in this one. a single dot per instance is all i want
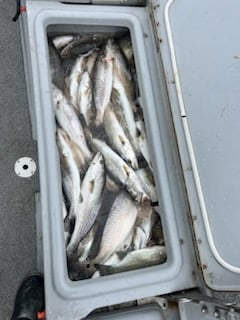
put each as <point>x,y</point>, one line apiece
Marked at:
<point>86,129</point>
<point>104,270</point>
<point>99,118</point>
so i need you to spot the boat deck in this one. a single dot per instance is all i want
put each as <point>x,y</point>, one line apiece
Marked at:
<point>17,209</point>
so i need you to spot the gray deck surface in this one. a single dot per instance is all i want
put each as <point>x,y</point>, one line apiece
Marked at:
<point>17,207</point>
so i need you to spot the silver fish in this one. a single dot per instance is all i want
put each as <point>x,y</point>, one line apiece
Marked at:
<point>147,181</point>
<point>143,229</point>
<point>73,80</point>
<point>91,60</point>
<point>118,139</point>
<point>123,107</point>
<point>142,258</point>
<point>103,79</point>
<point>120,170</point>
<point>79,270</point>
<point>119,224</point>
<point>142,141</point>
<point>67,118</point>
<point>71,169</point>
<point>67,185</point>
<point>125,44</point>
<point>56,66</point>
<point>127,244</point>
<point>66,237</point>
<point>61,41</point>
<point>64,210</point>
<point>111,185</point>
<point>157,236</point>
<point>79,46</point>
<point>121,72</point>
<point>66,232</point>
<point>91,193</point>
<point>85,97</point>
<point>85,244</point>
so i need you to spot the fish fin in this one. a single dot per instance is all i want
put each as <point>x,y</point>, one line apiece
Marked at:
<point>99,118</point>
<point>83,121</point>
<point>122,254</point>
<point>80,198</point>
<point>122,140</point>
<point>139,133</point>
<point>125,168</point>
<point>86,130</point>
<point>92,185</point>
<point>104,270</point>
<point>115,95</point>
<point>88,53</point>
<point>67,81</point>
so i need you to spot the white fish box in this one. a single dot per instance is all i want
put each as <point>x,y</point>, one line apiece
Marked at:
<point>66,299</point>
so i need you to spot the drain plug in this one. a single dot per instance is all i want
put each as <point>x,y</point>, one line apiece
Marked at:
<point>25,167</point>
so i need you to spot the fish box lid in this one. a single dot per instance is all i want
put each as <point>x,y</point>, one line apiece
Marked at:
<point>201,57</point>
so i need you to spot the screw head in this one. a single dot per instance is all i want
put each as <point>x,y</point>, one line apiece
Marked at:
<point>217,314</point>
<point>204,309</point>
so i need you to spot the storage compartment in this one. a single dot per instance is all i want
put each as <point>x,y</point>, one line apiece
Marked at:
<point>204,101</point>
<point>66,299</point>
<point>109,192</point>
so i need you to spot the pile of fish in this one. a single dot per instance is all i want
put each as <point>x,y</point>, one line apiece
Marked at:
<point>108,187</point>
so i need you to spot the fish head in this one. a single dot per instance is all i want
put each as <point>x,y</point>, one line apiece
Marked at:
<point>109,51</point>
<point>98,159</point>
<point>80,271</point>
<point>98,163</point>
<point>62,137</point>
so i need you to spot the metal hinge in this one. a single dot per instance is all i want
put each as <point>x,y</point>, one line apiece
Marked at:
<point>154,8</point>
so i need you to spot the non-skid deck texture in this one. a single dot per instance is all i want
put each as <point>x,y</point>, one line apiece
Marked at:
<point>17,207</point>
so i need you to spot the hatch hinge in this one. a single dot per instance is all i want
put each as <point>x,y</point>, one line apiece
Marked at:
<point>154,7</point>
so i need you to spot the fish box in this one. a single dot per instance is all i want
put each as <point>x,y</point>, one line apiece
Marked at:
<point>67,296</point>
